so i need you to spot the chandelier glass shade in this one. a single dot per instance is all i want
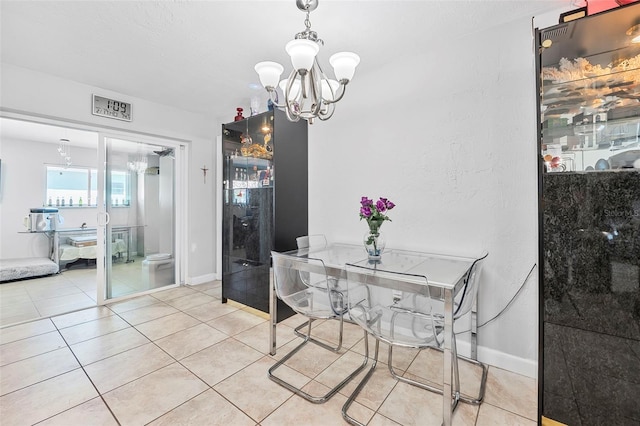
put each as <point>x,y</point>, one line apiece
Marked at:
<point>138,164</point>
<point>64,149</point>
<point>308,92</point>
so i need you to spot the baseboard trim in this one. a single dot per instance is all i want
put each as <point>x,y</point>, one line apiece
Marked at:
<point>201,279</point>
<point>525,367</point>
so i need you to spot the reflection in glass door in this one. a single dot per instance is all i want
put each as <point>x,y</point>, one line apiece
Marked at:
<point>139,217</point>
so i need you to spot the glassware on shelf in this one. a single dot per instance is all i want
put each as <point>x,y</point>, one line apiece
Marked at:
<point>255,105</point>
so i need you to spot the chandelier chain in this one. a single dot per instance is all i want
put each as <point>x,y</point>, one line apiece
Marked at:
<point>307,21</point>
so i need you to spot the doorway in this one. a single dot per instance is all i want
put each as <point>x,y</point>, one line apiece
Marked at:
<point>118,237</point>
<point>139,216</point>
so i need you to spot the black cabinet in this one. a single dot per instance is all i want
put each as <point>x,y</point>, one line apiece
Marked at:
<point>589,368</point>
<point>265,199</point>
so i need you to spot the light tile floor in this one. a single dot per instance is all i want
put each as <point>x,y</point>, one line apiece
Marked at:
<point>181,357</point>
<point>70,290</point>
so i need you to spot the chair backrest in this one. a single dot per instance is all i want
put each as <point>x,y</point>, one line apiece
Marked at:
<point>310,300</point>
<point>308,243</point>
<point>467,296</point>
<point>311,241</point>
<point>381,302</point>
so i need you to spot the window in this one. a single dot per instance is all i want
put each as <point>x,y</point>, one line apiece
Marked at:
<point>120,188</point>
<point>78,187</point>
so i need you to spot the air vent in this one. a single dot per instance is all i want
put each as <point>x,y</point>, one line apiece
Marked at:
<point>555,33</point>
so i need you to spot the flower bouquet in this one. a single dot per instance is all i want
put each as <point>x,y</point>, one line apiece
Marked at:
<point>374,214</point>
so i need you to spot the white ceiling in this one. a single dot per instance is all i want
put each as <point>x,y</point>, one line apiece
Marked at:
<point>199,55</point>
<point>26,131</point>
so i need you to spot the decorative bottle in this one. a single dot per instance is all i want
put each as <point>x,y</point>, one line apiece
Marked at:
<point>80,202</point>
<point>70,201</point>
<point>50,203</point>
<point>57,201</point>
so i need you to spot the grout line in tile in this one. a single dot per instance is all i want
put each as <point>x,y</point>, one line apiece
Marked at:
<point>180,405</point>
<point>245,413</point>
<point>26,322</point>
<point>507,410</point>
<point>40,381</point>
<point>88,378</point>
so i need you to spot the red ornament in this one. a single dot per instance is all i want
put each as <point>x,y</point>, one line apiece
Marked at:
<point>238,116</point>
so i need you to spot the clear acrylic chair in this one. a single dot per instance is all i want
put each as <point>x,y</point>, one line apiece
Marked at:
<point>312,301</point>
<point>464,303</point>
<point>404,319</point>
<point>310,243</point>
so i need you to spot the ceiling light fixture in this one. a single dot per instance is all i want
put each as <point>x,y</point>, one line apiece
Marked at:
<point>139,163</point>
<point>308,92</point>
<point>64,149</point>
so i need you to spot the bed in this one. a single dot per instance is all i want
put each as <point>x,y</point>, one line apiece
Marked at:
<point>16,269</point>
<point>85,248</point>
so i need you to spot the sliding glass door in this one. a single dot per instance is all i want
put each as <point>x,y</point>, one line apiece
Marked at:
<point>121,222</point>
<point>137,221</point>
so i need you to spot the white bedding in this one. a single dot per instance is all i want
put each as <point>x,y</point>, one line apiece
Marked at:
<point>69,252</point>
<point>14,269</point>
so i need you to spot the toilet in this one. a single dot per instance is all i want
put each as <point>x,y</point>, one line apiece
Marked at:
<point>157,270</point>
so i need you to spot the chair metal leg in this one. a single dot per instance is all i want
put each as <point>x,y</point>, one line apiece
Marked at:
<point>483,382</point>
<point>469,400</point>
<point>305,395</point>
<point>366,378</point>
<point>318,342</point>
<point>362,383</point>
<point>407,380</point>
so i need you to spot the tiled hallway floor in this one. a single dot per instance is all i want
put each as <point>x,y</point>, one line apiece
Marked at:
<point>181,357</point>
<point>70,290</point>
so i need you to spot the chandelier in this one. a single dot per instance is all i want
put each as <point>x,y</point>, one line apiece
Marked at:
<point>308,92</point>
<point>64,149</point>
<point>139,163</point>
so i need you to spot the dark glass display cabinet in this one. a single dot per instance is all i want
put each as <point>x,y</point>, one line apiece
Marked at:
<point>589,184</point>
<point>265,206</point>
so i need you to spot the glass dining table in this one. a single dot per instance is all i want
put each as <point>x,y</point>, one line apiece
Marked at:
<point>446,276</point>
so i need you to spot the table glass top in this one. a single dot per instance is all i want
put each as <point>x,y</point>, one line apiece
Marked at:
<point>440,269</point>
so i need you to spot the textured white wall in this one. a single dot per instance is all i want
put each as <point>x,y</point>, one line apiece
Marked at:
<point>449,136</point>
<point>37,93</point>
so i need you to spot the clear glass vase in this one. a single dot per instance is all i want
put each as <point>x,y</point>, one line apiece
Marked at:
<point>374,244</point>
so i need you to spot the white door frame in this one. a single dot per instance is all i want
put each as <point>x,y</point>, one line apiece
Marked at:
<point>181,155</point>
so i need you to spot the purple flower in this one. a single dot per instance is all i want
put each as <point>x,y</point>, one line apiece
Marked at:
<point>373,213</point>
<point>365,212</point>
<point>366,202</point>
